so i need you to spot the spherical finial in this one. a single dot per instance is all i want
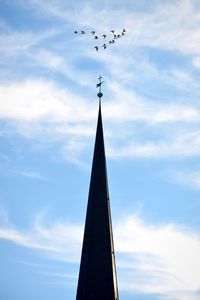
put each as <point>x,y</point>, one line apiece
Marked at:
<point>99,95</point>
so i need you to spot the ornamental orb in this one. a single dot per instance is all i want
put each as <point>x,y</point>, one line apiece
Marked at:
<point>100,95</point>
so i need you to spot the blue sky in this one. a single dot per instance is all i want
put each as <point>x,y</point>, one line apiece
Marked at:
<point>151,115</point>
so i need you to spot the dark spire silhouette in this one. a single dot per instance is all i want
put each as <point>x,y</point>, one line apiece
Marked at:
<point>97,275</point>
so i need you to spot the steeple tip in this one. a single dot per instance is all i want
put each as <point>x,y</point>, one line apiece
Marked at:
<point>100,94</point>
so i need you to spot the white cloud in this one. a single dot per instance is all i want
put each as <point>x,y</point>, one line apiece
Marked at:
<point>60,64</point>
<point>161,259</point>
<point>170,25</point>
<point>30,174</point>
<point>152,259</point>
<point>163,124</point>
<point>129,106</point>
<point>41,100</point>
<point>59,241</point>
<point>49,59</point>
<point>185,145</point>
<point>15,43</point>
<point>44,100</point>
<point>52,8</point>
<point>188,178</point>
<point>196,62</point>
<point>41,108</point>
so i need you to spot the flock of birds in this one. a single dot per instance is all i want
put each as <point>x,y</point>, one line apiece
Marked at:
<point>112,40</point>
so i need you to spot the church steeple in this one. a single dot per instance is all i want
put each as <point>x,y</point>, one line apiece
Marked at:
<point>97,275</point>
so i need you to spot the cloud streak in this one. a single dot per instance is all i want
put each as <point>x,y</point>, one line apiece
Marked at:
<point>31,174</point>
<point>59,241</point>
<point>161,26</point>
<point>154,251</point>
<point>15,43</point>
<point>188,178</point>
<point>47,88</point>
<point>41,108</point>
<point>158,259</point>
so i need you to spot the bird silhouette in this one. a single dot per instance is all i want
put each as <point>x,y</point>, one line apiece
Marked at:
<point>103,36</point>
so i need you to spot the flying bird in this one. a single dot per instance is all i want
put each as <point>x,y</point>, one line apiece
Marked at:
<point>96,37</point>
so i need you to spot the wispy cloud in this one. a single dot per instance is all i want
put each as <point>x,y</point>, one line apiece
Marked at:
<point>153,257</point>
<point>161,26</point>
<point>47,85</point>
<point>16,43</point>
<point>30,174</point>
<point>42,103</point>
<point>52,272</point>
<point>51,8</point>
<point>39,100</point>
<point>60,241</point>
<point>189,178</point>
<point>157,28</point>
<point>182,145</point>
<point>160,259</point>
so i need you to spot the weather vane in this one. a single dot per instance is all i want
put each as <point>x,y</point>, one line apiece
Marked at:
<point>98,85</point>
